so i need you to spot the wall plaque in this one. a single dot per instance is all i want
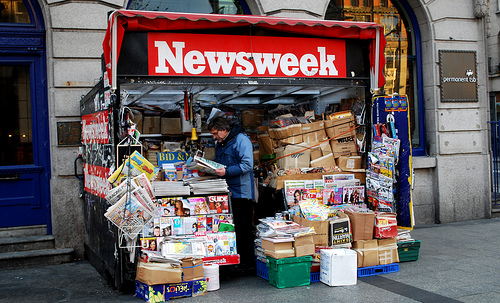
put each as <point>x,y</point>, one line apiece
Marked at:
<point>458,76</point>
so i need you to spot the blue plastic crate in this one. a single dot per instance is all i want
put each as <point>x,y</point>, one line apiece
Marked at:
<point>377,270</point>
<point>263,272</point>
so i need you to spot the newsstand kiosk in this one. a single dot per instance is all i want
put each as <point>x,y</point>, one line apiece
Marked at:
<point>155,59</point>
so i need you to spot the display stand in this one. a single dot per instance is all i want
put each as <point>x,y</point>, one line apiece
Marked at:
<point>201,216</point>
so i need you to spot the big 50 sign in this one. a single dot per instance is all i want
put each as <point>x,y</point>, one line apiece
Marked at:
<point>249,56</point>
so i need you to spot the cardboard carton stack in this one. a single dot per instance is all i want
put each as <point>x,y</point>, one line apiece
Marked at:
<point>371,251</point>
<point>312,143</point>
<point>159,281</point>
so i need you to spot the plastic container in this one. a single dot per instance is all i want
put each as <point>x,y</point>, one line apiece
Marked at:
<point>377,270</point>
<point>408,251</point>
<point>263,272</point>
<point>290,272</point>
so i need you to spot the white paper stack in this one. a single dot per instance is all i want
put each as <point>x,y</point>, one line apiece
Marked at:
<point>208,186</point>
<point>167,188</point>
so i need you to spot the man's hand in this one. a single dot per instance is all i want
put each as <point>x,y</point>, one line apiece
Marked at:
<point>220,171</point>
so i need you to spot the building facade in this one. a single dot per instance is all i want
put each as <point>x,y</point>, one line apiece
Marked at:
<point>450,136</point>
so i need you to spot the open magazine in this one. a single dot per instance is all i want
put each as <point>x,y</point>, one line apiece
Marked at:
<point>204,165</point>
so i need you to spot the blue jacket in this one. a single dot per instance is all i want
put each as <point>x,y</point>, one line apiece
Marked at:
<point>236,153</point>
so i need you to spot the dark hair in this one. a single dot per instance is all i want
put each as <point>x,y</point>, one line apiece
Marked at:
<point>220,123</point>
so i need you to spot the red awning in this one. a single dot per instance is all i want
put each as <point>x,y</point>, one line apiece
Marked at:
<point>128,20</point>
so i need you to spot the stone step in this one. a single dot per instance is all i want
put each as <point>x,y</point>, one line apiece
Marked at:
<point>22,231</point>
<point>40,257</point>
<point>26,243</point>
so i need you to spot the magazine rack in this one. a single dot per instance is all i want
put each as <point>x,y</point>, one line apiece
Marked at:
<point>204,215</point>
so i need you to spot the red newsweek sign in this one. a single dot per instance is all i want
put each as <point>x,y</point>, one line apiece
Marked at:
<point>174,54</point>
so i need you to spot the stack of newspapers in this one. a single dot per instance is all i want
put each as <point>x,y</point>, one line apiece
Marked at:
<point>163,188</point>
<point>131,205</point>
<point>208,186</point>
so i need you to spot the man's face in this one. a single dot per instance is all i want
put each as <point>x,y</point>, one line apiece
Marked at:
<point>219,135</point>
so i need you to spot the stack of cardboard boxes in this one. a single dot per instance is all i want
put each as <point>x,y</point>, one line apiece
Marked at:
<point>159,282</point>
<point>371,251</point>
<point>315,144</point>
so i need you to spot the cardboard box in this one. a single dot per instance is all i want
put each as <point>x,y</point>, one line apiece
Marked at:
<point>349,162</point>
<point>151,125</point>
<point>324,161</point>
<point>171,126</point>
<point>165,292</point>
<point>320,227</point>
<point>338,267</point>
<point>316,153</point>
<point>367,252</point>
<point>304,246</point>
<point>272,245</point>
<point>386,226</point>
<point>304,240</point>
<point>340,229</point>
<point>192,269</point>
<point>138,120</point>
<point>362,225</point>
<point>344,147</point>
<point>313,132</point>
<point>340,127</point>
<point>297,156</point>
<point>266,144</point>
<point>291,134</point>
<point>304,250</point>
<point>280,254</point>
<point>388,251</point>
<point>158,273</point>
<point>252,117</point>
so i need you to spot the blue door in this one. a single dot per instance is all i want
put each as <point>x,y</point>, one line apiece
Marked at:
<point>24,137</point>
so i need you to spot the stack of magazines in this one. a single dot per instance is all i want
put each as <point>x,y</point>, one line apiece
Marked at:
<point>163,189</point>
<point>208,186</point>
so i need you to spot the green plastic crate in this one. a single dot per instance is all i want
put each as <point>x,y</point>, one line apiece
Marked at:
<point>408,251</point>
<point>290,272</point>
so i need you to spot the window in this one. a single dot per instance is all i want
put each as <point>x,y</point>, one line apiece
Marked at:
<point>16,146</point>
<point>13,11</point>
<point>402,67</point>
<point>231,7</point>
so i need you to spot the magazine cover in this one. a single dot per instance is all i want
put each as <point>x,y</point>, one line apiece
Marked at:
<point>202,224</point>
<point>308,193</point>
<point>137,165</point>
<point>170,201</point>
<point>209,223</point>
<point>149,244</point>
<point>330,181</point>
<point>165,227</point>
<point>293,196</point>
<point>182,208</point>
<point>329,196</point>
<point>200,205</point>
<point>218,204</point>
<point>221,244</point>
<point>167,211</point>
<point>354,194</point>
<point>189,225</point>
<point>177,226</point>
<point>148,229</point>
